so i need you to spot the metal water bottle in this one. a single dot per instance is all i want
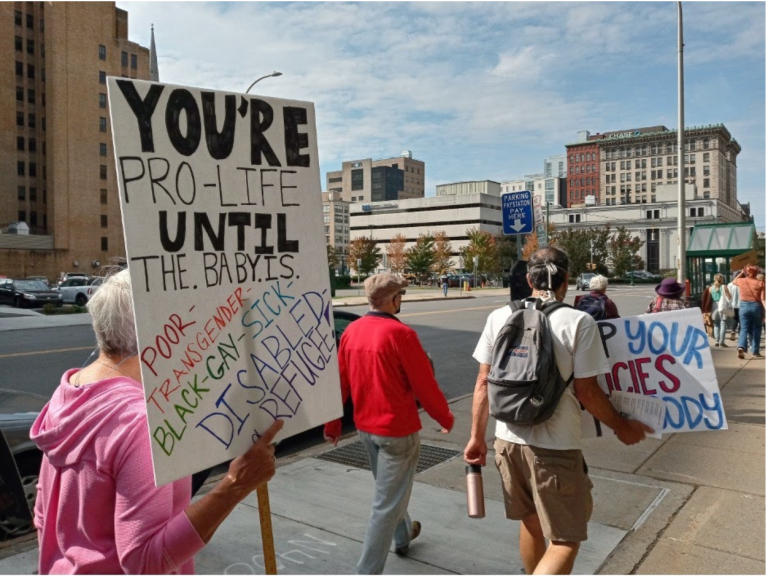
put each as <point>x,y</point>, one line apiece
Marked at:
<point>475,496</point>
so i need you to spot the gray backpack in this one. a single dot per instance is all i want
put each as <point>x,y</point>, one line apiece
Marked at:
<point>524,385</point>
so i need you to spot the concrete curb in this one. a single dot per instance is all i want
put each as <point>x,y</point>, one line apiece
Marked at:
<point>360,301</point>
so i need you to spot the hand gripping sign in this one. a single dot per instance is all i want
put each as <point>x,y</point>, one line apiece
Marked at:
<point>664,355</point>
<point>222,220</point>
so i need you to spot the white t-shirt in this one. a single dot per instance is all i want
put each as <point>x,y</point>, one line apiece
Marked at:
<point>578,350</point>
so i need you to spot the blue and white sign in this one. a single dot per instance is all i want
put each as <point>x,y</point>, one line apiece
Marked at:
<point>517,212</point>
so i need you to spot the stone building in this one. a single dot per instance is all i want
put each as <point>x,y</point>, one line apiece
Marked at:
<point>57,169</point>
<point>378,180</point>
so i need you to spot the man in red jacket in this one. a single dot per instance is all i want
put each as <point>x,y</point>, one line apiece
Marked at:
<point>384,367</point>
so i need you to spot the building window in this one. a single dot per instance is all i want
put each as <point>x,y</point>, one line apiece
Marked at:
<point>102,100</point>
<point>103,172</point>
<point>32,169</point>
<point>22,192</point>
<point>104,243</point>
<point>21,168</point>
<point>31,71</point>
<point>30,22</point>
<point>45,200</point>
<point>42,96</point>
<point>357,180</point>
<point>19,43</point>
<point>102,77</point>
<point>19,94</point>
<point>19,68</point>
<point>33,193</point>
<point>33,218</point>
<point>20,143</point>
<point>102,52</point>
<point>17,17</point>
<point>19,119</point>
<point>31,120</point>
<point>574,218</point>
<point>103,221</point>
<point>33,145</point>
<point>134,62</point>
<point>31,95</point>
<point>43,123</point>
<point>30,46</point>
<point>22,216</point>
<point>706,183</point>
<point>102,124</point>
<point>103,196</point>
<point>102,149</point>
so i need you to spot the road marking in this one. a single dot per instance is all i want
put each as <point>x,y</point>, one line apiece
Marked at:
<point>447,311</point>
<point>9,355</point>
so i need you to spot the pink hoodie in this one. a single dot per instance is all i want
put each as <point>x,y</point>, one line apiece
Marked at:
<point>98,510</point>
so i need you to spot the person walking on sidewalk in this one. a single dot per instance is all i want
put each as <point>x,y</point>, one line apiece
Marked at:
<point>670,297</point>
<point>710,302</point>
<point>444,283</point>
<point>596,304</point>
<point>98,510</point>
<point>734,290</point>
<point>751,307</point>
<point>384,367</point>
<point>544,476</point>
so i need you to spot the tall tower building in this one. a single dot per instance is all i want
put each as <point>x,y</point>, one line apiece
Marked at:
<point>57,168</point>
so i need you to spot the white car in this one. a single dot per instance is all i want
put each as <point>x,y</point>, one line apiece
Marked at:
<point>75,290</point>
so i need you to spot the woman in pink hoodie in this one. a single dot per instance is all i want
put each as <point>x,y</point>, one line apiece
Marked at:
<point>97,509</point>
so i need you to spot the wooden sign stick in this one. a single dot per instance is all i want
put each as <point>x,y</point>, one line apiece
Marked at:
<point>267,540</point>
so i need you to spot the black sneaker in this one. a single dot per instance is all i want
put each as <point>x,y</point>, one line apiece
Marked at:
<point>415,532</point>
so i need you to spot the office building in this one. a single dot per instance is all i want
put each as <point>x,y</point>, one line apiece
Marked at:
<point>549,189</point>
<point>378,180</point>
<point>469,187</point>
<point>57,168</point>
<point>336,223</point>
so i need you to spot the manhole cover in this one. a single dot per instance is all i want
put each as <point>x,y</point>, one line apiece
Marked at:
<point>355,455</point>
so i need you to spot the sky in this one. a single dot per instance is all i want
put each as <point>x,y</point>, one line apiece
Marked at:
<point>477,90</point>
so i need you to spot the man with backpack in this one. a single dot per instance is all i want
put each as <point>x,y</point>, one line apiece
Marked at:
<point>539,359</point>
<point>596,304</point>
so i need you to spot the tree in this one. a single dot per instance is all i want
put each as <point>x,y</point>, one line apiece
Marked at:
<point>443,253</point>
<point>396,253</point>
<point>531,245</point>
<point>333,258</point>
<point>482,244</point>
<point>575,243</point>
<point>506,253</point>
<point>366,250</point>
<point>420,258</point>
<point>622,249</point>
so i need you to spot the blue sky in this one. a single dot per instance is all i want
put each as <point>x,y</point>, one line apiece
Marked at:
<point>478,90</point>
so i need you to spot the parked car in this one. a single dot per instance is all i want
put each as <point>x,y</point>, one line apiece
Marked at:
<point>18,411</point>
<point>22,293</point>
<point>96,282</point>
<point>42,279</point>
<point>643,275</point>
<point>582,281</point>
<point>68,275</point>
<point>75,290</point>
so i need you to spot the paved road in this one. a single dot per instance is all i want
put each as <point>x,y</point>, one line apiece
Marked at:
<point>33,360</point>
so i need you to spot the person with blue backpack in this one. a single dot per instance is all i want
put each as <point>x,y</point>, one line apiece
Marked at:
<point>596,304</point>
<point>539,360</point>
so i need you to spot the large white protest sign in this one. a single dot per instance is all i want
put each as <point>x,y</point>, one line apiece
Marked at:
<point>665,355</point>
<point>220,195</point>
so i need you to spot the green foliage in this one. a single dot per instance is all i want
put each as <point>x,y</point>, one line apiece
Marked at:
<point>343,281</point>
<point>506,254</point>
<point>622,248</point>
<point>367,251</point>
<point>482,244</point>
<point>577,245</point>
<point>420,258</point>
<point>443,253</point>
<point>333,258</point>
<point>49,309</point>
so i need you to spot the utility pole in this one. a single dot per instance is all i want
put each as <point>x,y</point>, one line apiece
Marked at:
<point>546,226</point>
<point>591,254</point>
<point>681,236</point>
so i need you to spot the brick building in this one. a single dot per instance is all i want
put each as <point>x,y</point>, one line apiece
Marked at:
<point>57,169</point>
<point>583,170</point>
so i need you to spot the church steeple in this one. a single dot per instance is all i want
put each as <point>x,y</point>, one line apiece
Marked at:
<point>154,73</point>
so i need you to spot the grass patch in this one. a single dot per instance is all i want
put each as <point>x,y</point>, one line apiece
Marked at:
<point>49,309</point>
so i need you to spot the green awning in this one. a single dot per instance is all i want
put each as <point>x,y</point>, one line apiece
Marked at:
<point>721,240</point>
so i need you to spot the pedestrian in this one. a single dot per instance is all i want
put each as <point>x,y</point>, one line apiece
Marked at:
<point>734,290</point>
<point>544,476</point>
<point>669,297</point>
<point>98,509</point>
<point>751,307</point>
<point>595,303</point>
<point>710,302</point>
<point>444,283</point>
<point>384,367</point>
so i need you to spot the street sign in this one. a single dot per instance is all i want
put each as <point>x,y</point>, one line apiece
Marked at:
<point>517,212</point>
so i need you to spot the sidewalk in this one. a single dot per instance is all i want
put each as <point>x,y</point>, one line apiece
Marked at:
<point>691,503</point>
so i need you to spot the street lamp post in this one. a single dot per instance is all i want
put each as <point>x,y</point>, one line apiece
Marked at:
<point>262,78</point>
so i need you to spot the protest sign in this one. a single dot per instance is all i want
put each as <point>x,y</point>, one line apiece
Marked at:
<point>665,355</point>
<point>220,196</point>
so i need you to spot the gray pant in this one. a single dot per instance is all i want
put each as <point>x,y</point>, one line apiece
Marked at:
<point>393,463</point>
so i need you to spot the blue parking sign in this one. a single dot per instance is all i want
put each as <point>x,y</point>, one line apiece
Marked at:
<point>517,212</point>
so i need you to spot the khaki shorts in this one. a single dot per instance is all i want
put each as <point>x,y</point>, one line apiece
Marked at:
<point>549,483</point>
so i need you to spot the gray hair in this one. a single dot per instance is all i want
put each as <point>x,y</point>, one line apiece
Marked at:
<point>111,309</point>
<point>598,283</point>
<point>547,268</point>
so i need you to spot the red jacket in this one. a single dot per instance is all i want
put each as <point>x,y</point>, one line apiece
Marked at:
<point>385,369</point>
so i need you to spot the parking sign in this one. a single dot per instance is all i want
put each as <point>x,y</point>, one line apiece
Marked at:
<point>517,212</point>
